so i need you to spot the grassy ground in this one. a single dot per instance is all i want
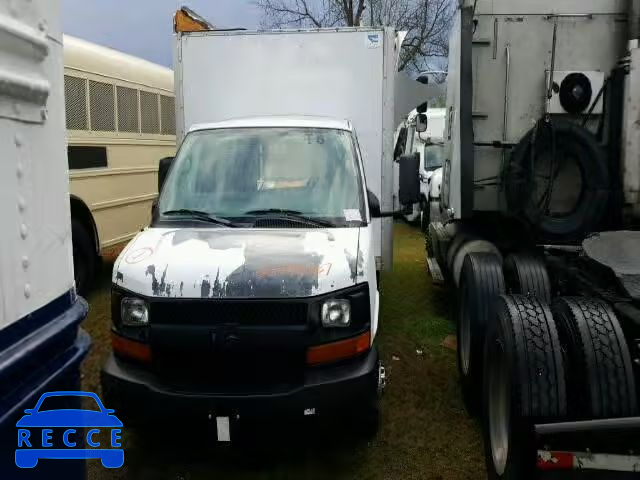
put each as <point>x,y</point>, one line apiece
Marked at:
<point>425,433</point>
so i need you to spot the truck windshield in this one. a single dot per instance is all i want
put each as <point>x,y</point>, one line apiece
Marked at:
<point>239,173</point>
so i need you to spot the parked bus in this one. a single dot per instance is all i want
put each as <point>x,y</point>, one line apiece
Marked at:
<point>120,118</point>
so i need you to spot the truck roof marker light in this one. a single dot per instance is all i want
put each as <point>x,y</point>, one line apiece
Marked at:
<point>333,352</point>
<point>131,349</point>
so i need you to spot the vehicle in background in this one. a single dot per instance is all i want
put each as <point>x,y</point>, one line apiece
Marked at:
<point>254,293</point>
<point>41,345</point>
<point>541,202</point>
<point>429,145</point>
<point>120,114</point>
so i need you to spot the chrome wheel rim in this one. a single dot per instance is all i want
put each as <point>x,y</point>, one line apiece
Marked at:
<point>499,407</point>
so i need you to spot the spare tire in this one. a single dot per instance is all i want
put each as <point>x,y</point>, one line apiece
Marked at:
<point>524,383</point>
<point>577,198</point>
<point>481,283</point>
<point>527,275</point>
<point>601,377</point>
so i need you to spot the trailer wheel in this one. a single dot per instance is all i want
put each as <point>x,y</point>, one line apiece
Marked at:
<point>600,371</point>
<point>480,284</point>
<point>527,275</point>
<point>524,383</point>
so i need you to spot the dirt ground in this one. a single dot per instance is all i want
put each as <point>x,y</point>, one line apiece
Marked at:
<point>425,432</point>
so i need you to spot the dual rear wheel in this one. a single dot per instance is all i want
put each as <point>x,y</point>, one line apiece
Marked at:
<point>524,360</point>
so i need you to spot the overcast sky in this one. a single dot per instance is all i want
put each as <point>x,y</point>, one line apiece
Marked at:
<point>144,28</point>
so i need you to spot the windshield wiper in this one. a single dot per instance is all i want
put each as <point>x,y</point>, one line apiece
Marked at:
<point>282,212</point>
<point>200,215</point>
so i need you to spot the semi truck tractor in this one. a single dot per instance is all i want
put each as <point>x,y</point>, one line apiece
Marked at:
<point>540,239</point>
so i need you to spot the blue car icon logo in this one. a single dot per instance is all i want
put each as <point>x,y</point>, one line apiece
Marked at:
<point>51,430</point>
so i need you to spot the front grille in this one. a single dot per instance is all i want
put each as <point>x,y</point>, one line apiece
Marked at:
<point>261,372</point>
<point>219,312</point>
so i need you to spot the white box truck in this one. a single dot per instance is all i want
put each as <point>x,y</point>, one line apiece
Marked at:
<point>254,291</point>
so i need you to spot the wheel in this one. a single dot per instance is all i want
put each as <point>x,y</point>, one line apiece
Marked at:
<point>574,200</point>
<point>472,246</point>
<point>84,257</point>
<point>600,372</point>
<point>527,275</point>
<point>481,283</point>
<point>524,383</point>
<point>456,244</point>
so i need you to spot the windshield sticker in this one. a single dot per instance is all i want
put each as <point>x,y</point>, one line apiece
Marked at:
<point>373,40</point>
<point>281,184</point>
<point>352,215</point>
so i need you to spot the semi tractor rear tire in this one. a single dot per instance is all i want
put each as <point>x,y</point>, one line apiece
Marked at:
<point>524,383</point>
<point>524,274</point>
<point>481,282</point>
<point>472,246</point>
<point>600,372</point>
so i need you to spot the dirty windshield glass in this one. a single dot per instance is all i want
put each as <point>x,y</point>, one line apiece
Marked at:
<point>434,157</point>
<point>233,173</point>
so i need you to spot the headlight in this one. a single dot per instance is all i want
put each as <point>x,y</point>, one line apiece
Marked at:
<point>134,312</point>
<point>336,313</point>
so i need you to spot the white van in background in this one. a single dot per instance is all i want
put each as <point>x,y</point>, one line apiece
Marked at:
<point>429,146</point>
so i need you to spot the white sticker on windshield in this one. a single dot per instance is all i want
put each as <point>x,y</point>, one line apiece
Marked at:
<point>352,215</point>
<point>373,40</point>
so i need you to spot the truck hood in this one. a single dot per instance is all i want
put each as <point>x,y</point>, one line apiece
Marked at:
<point>240,263</point>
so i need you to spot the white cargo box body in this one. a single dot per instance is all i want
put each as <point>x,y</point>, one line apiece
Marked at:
<point>35,251</point>
<point>346,73</point>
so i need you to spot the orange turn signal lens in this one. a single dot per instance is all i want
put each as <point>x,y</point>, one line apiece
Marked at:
<point>332,352</point>
<point>125,347</point>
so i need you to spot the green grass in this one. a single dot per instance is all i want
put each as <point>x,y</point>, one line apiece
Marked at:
<point>425,432</point>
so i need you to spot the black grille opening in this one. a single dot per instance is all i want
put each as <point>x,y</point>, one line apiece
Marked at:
<point>244,312</point>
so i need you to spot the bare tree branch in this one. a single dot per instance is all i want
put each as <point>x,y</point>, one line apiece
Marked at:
<point>427,22</point>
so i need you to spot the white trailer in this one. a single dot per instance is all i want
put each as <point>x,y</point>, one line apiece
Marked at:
<point>540,240</point>
<point>40,344</point>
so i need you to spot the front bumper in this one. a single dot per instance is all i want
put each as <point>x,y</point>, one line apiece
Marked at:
<point>136,393</point>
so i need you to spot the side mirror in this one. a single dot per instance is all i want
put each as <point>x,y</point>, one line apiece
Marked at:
<point>163,170</point>
<point>410,179</point>
<point>421,123</point>
<point>374,205</point>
